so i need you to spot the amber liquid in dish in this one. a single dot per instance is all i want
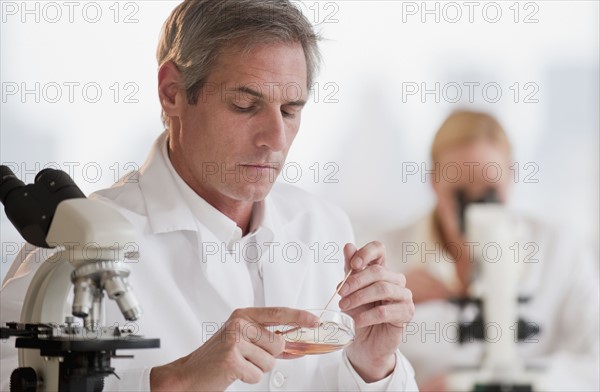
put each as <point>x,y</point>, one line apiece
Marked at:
<point>326,338</point>
<point>307,348</point>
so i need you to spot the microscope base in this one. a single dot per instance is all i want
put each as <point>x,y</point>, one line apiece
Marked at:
<point>81,357</point>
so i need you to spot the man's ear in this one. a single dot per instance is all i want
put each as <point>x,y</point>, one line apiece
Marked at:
<point>168,86</point>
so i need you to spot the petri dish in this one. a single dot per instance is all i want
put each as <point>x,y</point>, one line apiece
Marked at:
<point>335,332</point>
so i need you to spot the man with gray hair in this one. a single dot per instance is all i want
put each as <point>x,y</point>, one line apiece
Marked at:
<point>224,252</point>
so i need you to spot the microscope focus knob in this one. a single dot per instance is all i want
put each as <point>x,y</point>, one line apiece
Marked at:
<point>23,379</point>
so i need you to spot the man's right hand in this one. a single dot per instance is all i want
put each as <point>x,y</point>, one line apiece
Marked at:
<point>243,349</point>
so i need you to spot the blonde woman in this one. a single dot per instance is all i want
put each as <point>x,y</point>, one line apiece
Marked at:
<point>471,156</point>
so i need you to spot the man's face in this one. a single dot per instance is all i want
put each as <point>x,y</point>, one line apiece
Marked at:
<point>233,143</point>
<point>473,168</point>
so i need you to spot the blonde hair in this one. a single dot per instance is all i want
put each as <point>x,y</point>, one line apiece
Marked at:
<point>465,127</point>
<point>198,30</point>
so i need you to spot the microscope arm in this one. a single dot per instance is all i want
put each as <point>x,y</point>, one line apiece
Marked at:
<point>44,303</point>
<point>490,227</point>
<point>91,236</point>
<point>47,293</point>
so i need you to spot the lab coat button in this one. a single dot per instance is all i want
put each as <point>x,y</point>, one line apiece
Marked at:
<point>277,379</point>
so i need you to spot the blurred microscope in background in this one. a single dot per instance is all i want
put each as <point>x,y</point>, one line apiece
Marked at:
<point>503,301</point>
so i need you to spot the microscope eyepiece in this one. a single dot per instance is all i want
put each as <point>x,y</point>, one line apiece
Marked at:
<point>8,182</point>
<point>31,207</point>
<point>57,180</point>
<point>462,202</point>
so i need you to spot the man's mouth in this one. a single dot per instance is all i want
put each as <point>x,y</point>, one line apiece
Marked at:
<point>270,165</point>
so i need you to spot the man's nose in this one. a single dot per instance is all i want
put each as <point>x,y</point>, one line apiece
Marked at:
<point>272,133</point>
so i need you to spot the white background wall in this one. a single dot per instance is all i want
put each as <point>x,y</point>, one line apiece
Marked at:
<point>363,126</point>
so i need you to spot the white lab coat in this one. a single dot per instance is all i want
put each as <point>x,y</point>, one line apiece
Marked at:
<point>187,289</point>
<point>561,280</point>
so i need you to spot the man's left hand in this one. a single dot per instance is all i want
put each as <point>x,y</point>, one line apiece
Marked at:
<point>380,305</point>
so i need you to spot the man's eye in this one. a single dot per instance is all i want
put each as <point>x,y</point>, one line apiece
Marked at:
<point>243,109</point>
<point>289,113</point>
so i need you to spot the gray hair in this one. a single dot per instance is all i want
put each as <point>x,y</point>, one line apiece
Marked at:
<point>198,30</point>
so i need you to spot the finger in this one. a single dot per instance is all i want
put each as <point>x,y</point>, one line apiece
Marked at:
<point>358,310</point>
<point>396,314</point>
<point>256,334</point>
<point>240,328</point>
<point>279,316</point>
<point>248,372</point>
<point>349,251</point>
<point>372,253</point>
<point>257,356</point>
<point>370,275</point>
<point>378,291</point>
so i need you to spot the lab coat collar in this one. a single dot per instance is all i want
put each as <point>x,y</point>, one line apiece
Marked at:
<point>163,189</point>
<point>161,194</point>
<point>225,229</point>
